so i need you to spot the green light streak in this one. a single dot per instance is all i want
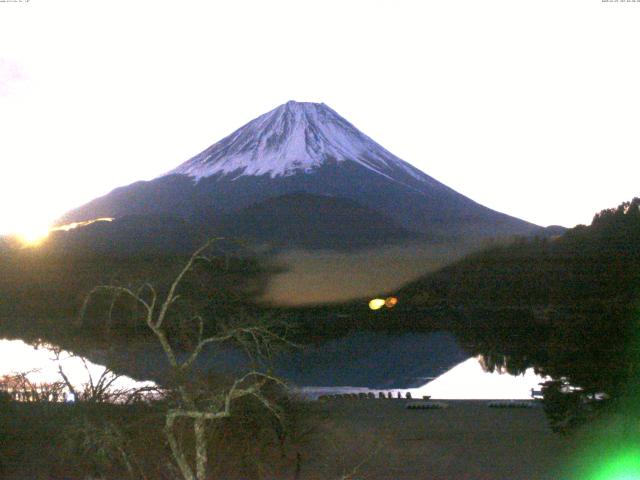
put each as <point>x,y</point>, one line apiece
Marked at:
<point>619,464</point>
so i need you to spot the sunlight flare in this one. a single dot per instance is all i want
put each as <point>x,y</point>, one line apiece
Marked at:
<point>376,304</point>
<point>33,236</point>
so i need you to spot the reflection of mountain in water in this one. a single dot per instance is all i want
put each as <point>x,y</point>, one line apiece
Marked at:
<point>41,364</point>
<point>469,380</point>
<point>364,359</point>
<point>374,360</point>
<point>335,365</point>
<point>466,381</point>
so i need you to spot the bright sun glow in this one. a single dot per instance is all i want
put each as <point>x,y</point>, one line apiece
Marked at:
<point>31,225</point>
<point>33,235</point>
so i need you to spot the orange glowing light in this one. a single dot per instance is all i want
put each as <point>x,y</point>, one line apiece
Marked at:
<point>391,302</point>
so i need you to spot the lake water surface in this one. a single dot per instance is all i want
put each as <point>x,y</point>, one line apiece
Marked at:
<point>419,364</point>
<point>43,364</point>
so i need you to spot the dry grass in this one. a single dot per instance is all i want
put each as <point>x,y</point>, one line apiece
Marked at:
<point>467,440</point>
<point>337,439</point>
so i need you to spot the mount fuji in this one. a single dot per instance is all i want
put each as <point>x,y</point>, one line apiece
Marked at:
<point>303,166</point>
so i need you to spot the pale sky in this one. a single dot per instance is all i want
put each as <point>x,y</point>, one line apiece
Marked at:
<point>528,107</point>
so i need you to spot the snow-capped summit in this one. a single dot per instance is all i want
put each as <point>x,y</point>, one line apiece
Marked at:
<point>292,138</point>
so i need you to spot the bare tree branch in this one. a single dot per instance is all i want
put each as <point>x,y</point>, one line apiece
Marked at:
<point>171,296</point>
<point>193,403</point>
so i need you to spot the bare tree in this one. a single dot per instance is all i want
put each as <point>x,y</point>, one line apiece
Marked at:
<point>192,403</point>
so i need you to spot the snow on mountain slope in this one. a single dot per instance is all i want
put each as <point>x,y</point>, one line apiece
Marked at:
<point>293,138</point>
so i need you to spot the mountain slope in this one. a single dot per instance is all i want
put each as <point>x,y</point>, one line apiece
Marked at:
<point>305,147</point>
<point>315,222</point>
<point>593,263</point>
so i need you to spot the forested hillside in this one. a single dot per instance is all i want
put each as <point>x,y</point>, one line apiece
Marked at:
<point>568,306</point>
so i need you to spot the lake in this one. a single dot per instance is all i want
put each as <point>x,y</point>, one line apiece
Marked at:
<point>420,364</point>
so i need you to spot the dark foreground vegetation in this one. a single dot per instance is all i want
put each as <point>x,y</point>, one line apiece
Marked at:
<point>333,440</point>
<point>569,307</point>
<point>43,290</point>
<point>100,440</point>
<point>186,429</point>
